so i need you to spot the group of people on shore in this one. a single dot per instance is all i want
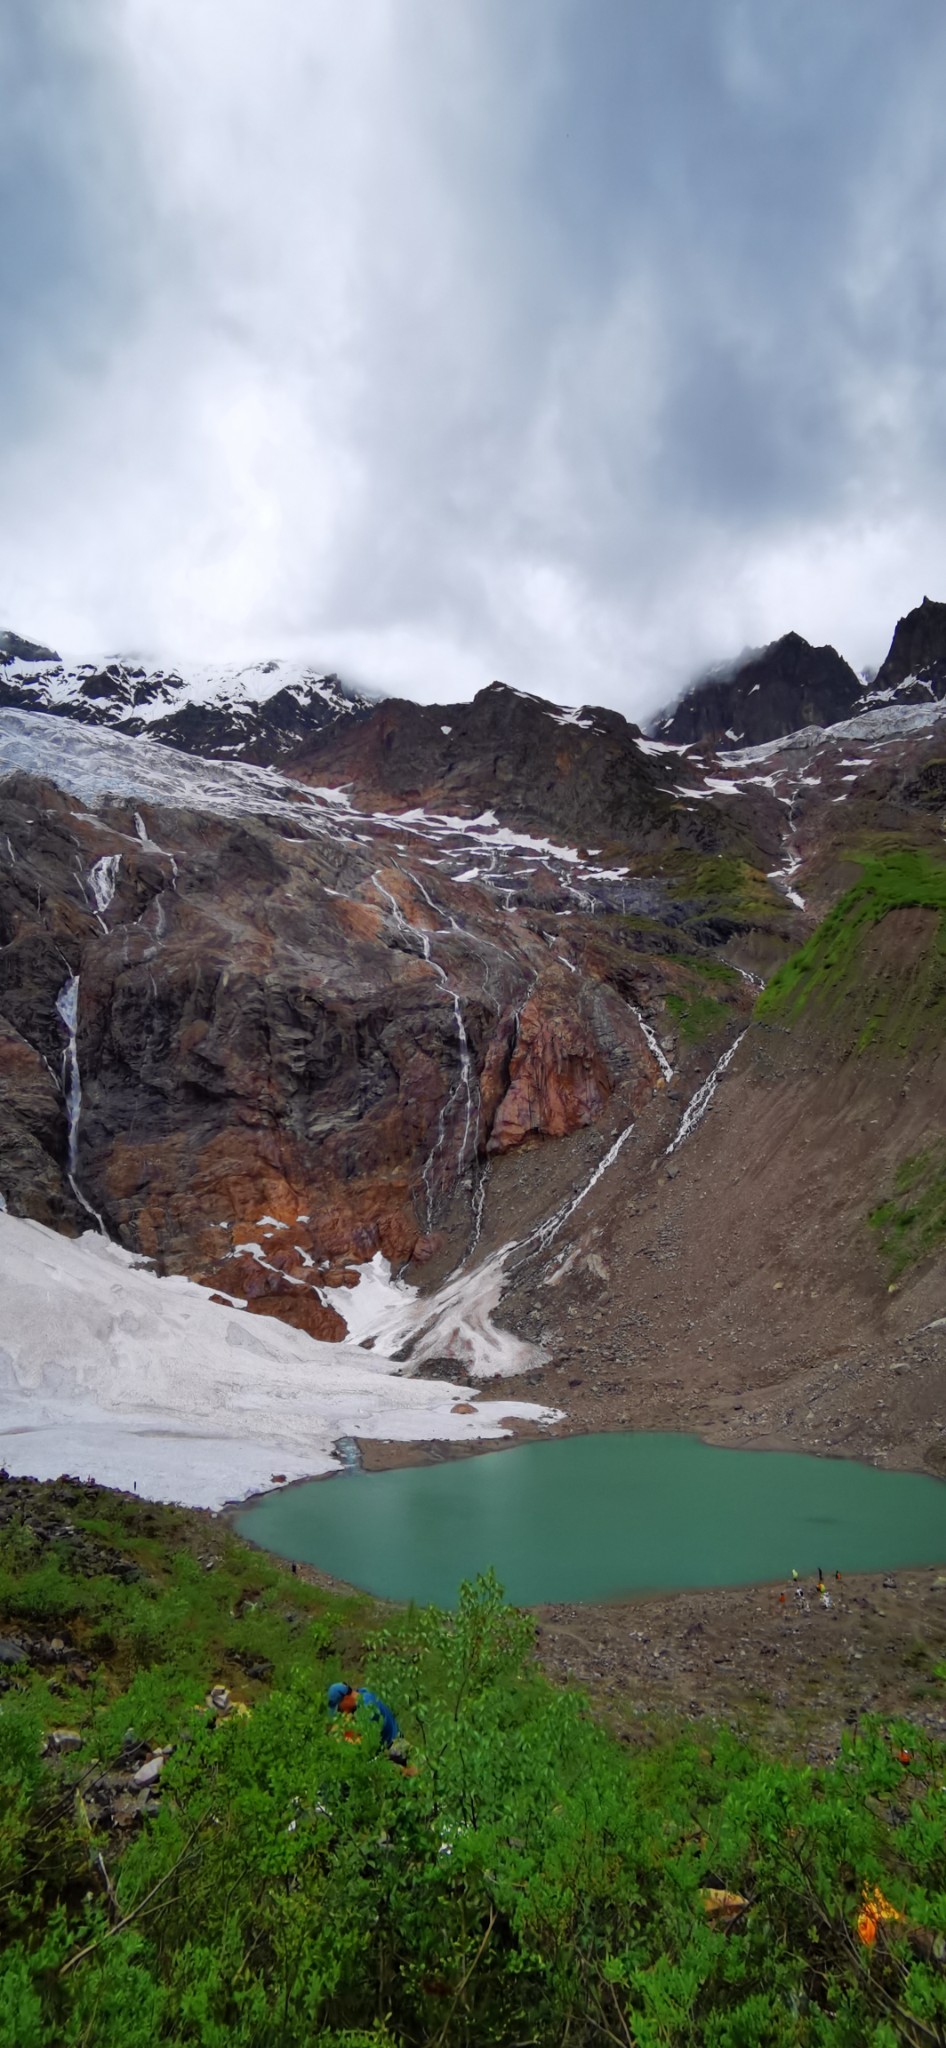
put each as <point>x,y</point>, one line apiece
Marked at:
<point>801,1594</point>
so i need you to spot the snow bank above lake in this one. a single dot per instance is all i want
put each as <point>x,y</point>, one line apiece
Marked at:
<point>110,1372</point>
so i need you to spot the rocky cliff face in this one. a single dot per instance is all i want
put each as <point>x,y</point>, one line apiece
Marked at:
<point>780,689</point>
<point>915,667</point>
<point>579,775</point>
<point>263,1046</point>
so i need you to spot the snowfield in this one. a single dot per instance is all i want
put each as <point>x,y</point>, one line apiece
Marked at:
<point>109,1372</point>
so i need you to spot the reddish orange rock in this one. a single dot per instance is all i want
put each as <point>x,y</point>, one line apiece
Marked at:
<point>303,1311</point>
<point>558,1079</point>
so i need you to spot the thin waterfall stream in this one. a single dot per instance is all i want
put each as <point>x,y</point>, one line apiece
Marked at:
<point>67,1010</point>
<point>463,1089</point>
<point>696,1109</point>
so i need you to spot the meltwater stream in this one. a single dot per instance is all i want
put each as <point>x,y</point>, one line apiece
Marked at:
<point>593,1517</point>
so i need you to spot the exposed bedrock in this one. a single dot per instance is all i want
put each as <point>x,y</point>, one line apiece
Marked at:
<point>918,653</point>
<point>264,1031</point>
<point>767,692</point>
<point>580,777</point>
<point>287,1054</point>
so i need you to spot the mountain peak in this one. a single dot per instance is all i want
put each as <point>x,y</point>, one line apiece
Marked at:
<point>259,711</point>
<point>13,648</point>
<point>917,654</point>
<point>767,693</point>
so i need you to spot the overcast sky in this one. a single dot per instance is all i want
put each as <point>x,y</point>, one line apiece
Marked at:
<point>576,342</point>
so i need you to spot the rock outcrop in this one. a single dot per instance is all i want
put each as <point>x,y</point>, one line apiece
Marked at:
<point>294,1048</point>
<point>766,694</point>
<point>578,777</point>
<point>915,667</point>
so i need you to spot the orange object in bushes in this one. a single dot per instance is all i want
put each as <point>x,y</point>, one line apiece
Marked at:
<point>875,1909</point>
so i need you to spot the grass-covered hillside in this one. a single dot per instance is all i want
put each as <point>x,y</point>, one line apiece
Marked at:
<point>873,974</point>
<point>186,1865</point>
<point>911,1223</point>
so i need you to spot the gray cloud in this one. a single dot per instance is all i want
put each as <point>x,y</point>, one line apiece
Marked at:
<point>572,343</point>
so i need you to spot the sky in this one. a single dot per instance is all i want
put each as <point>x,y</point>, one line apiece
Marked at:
<point>580,343</point>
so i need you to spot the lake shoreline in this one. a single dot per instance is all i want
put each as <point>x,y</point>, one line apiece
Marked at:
<point>733,1655</point>
<point>747,1654</point>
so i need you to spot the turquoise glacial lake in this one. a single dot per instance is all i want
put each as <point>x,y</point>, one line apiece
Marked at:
<point>592,1517</point>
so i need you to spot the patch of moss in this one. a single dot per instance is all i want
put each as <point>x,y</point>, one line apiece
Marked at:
<point>877,1008</point>
<point>912,1222</point>
<point>635,925</point>
<point>715,970</point>
<point>724,884</point>
<point>697,1016</point>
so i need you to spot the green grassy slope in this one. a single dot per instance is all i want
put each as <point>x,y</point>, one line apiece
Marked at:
<point>870,1005</point>
<point>911,1221</point>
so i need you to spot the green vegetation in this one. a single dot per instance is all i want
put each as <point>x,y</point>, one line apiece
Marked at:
<point>725,886</point>
<point>715,970</point>
<point>895,1005</point>
<point>912,1222</point>
<point>536,1882</point>
<point>698,1016</point>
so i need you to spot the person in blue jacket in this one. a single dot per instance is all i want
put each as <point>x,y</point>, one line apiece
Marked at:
<point>345,1699</point>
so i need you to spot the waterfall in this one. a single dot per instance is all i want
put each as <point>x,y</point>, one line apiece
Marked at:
<point>67,1010</point>
<point>463,1091</point>
<point>659,1055</point>
<point>151,845</point>
<point>103,878</point>
<point>542,1237</point>
<point>697,1108</point>
<point>397,913</point>
<point>478,1207</point>
<point>463,1088</point>
<point>783,875</point>
<point>465,1070</point>
<point>452,924</point>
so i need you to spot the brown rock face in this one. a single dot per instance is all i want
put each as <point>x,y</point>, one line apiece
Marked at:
<point>305,1312</point>
<point>558,1076</point>
<point>295,1040</point>
<point>32,1147</point>
<point>585,781</point>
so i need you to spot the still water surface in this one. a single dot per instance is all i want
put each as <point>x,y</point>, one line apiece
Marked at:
<point>588,1517</point>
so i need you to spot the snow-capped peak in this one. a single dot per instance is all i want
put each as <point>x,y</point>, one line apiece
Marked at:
<point>261,710</point>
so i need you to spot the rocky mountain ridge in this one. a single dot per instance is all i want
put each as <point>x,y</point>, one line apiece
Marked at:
<point>277,712</point>
<point>258,711</point>
<point>771,691</point>
<point>779,689</point>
